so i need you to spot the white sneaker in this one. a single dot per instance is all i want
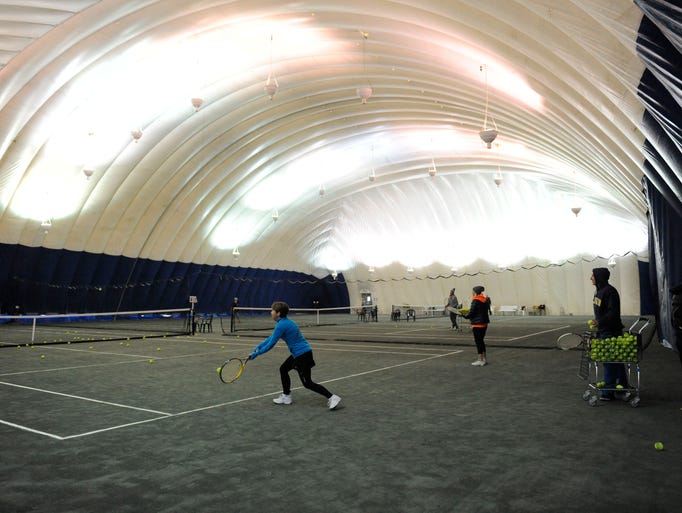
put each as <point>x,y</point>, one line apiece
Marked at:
<point>333,401</point>
<point>282,399</point>
<point>479,363</point>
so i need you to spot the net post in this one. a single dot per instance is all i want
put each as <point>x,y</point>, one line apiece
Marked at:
<point>33,331</point>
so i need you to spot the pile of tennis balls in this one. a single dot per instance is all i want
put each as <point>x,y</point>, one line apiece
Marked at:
<point>614,349</point>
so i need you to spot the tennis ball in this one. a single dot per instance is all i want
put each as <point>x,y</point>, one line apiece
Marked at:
<point>658,446</point>
<point>42,356</point>
<point>151,361</point>
<point>90,347</point>
<point>158,349</point>
<point>619,386</point>
<point>218,370</point>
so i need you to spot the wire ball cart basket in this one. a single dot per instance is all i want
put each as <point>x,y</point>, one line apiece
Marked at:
<point>626,349</point>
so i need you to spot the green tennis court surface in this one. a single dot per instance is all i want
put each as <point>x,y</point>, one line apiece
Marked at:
<point>418,430</point>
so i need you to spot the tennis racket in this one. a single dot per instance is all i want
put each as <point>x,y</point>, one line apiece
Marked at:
<point>453,310</point>
<point>569,341</point>
<point>232,369</point>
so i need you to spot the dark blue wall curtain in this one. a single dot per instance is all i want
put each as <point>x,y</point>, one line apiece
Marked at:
<point>41,280</point>
<point>659,46</point>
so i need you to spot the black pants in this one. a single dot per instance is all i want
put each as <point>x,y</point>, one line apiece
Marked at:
<point>479,338</point>
<point>453,319</point>
<point>303,365</point>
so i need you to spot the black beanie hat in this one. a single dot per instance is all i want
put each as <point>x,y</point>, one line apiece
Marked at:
<point>478,289</point>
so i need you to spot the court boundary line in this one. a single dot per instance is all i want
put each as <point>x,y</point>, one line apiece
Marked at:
<point>165,415</point>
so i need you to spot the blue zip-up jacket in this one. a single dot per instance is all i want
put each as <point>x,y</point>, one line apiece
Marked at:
<point>287,330</point>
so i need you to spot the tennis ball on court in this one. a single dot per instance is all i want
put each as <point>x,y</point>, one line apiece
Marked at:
<point>90,347</point>
<point>218,370</point>
<point>42,356</point>
<point>658,446</point>
<point>619,386</point>
<point>151,361</point>
<point>222,347</point>
<point>158,349</point>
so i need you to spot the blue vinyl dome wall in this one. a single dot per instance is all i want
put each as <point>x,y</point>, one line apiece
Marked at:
<point>41,280</point>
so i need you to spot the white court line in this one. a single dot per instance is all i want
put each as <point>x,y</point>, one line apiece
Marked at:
<point>30,430</point>
<point>220,405</point>
<point>540,332</point>
<point>83,398</point>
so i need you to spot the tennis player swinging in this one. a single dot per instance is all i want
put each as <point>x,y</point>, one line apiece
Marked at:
<point>301,357</point>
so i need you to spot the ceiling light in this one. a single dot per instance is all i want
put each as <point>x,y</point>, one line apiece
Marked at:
<point>611,263</point>
<point>235,252</point>
<point>364,91</point>
<point>271,84</point>
<point>275,215</point>
<point>576,210</point>
<point>371,268</point>
<point>334,274</point>
<point>487,135</point>
<point>136,134</point>
<point>372,175</point>
<point>46,225</point>
<point>197,103</point>
<point>432,170</point>
<point>88,173</point>
<point>321,190</point>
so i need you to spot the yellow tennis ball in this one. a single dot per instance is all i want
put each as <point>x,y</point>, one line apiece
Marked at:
<point>218,370</point>
<point>42,356</point>
<point>619,386</point>
<point>151,361</point>
<point>658,446</point>
<point>158,349</point>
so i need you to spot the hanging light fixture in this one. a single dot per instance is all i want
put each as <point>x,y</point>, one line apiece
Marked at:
<point>371,269</point>
<point>335,275</point>
<point>275,215</point>
<point>432,170</point>
<point>487,135</point>
<point>46,225</point>
<point>321,191</point>
<point>235,252</point>
<point>577,208</point>
<point>197,103</point>
<point>372,174</point>
<point>364,91</point>
<point>271,84</point>
<point>498,178</point>
<point>88,173</point>
<point>137,134</point>
<point>611,263</point>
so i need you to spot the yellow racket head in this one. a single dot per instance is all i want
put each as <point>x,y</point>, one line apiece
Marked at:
<point>232,369</point>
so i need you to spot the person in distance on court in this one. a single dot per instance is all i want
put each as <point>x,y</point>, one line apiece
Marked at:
<point>479,317</point>
<point>301,357</point>
<point>607,321</point>
<point>451,304</point>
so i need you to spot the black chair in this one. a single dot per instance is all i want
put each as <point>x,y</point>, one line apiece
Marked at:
<point>410,314</point>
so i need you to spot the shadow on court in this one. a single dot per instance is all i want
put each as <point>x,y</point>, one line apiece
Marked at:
<point>418,430</point>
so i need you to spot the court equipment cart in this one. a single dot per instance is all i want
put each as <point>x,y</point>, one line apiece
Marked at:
<point>625,350</point>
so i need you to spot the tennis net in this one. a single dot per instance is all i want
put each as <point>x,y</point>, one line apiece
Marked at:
<point>251,318</point>
<point>18,330</point>
<point>409,311</point>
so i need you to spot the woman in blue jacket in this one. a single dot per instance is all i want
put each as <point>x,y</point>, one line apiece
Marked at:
<point>301,357</point>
